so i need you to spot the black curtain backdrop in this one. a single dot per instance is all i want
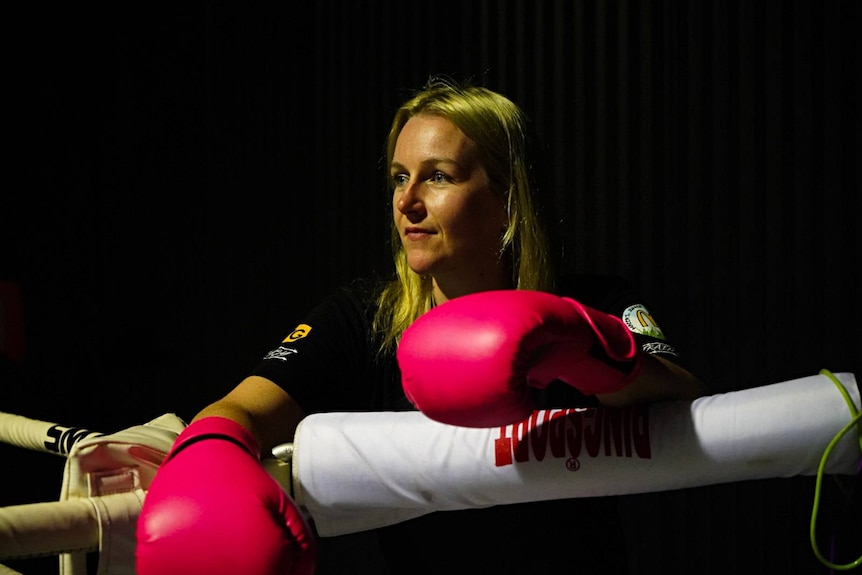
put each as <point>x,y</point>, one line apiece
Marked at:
<point>184,181</point>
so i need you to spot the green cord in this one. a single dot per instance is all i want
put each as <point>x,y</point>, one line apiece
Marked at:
<point>857,416</point>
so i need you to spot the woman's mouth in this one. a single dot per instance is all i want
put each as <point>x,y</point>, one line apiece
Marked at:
<point>415,234</point>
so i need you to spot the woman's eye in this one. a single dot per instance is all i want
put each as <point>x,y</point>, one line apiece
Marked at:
<point>399,180</point>
<point>439,178</point>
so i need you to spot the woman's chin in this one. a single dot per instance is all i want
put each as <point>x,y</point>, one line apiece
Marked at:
<point>421,266</point>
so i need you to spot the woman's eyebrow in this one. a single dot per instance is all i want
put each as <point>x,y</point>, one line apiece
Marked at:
<point>428,162</point>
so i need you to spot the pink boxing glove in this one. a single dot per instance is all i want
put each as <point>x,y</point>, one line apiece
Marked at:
<point>212,508</point>
<point>471,360</point>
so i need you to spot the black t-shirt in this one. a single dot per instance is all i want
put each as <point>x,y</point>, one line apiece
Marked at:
<point>329,362</point>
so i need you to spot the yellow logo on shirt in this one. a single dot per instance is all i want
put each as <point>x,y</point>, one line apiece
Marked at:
<point>298,333</point>
<point>640,320</point>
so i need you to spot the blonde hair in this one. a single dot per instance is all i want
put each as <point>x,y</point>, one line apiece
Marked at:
<point>498,127</point>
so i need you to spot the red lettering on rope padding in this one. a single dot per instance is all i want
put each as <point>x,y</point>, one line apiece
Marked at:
<point>573,432</point>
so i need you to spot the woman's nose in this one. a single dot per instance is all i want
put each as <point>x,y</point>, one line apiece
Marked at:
<point>410,199</point>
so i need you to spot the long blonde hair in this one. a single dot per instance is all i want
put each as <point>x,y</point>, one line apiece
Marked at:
<point>498,127</point>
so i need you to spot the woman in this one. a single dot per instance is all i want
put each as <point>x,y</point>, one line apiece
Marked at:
<point>465,220</point>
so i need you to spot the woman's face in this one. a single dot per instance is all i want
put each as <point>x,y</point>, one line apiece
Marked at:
<point>449,219</point>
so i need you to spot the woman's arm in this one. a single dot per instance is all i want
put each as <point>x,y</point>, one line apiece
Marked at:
<point>260,406</point>
<point>659,379</point>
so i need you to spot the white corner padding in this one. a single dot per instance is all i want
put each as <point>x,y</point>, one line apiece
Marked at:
<point>359,471</point>
<point>104,484</point>
<point>110,475</point>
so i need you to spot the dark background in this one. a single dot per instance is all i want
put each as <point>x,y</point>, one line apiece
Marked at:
<point>184,181</point>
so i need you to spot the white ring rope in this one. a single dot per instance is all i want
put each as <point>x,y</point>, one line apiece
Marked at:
<point>75,520</point>
<point>40,435</point>
<point>357,471</point>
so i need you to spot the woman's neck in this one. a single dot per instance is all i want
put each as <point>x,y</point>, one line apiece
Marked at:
<point>442,291</point>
